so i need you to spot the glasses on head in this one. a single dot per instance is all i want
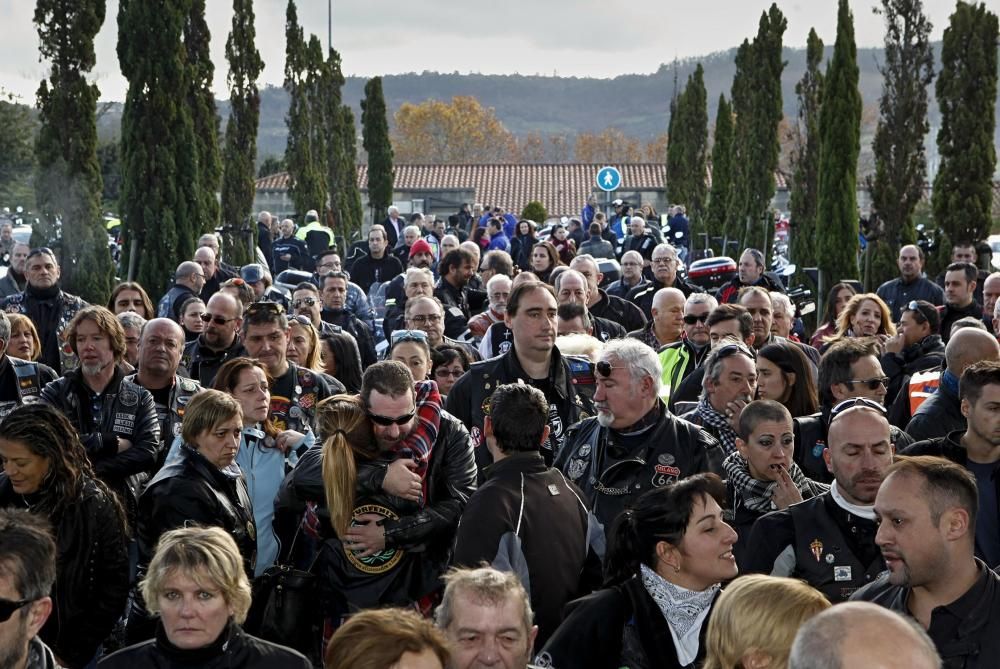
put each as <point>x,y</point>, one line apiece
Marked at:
<point>41,250</point>
<point>9,606</point>
<point>872,383</point>
<point>420,319</point>
<point>841,407</point>
<point>265,308</point>
<point>385,421</point>
<point>407,335</point>
<point>301,320</point>
<point>732,349</point>
<point>604,367</point>
<point>691,319</point>
<point>914,308</point>
<point>307,301</point>
<point>444,373</point>
<point>218,320</point>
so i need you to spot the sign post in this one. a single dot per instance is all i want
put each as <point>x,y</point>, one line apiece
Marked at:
<point>609,179</point>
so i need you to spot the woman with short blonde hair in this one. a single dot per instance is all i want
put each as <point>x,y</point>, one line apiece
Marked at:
<point>755,620</point>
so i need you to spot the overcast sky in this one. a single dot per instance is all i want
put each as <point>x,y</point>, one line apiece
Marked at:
<point>582,38</point>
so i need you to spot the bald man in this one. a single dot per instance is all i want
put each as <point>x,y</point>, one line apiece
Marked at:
<point>941,413</point>
<point>859,634</point>
<point>667,323</point>
<point>189,279</point>
<point>911,284</point>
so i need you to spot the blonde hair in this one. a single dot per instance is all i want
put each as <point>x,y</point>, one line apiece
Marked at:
<point>312,360</point>
<point>759,613</point>
<point>206,555</point>
<point>854,305</point>
<point>343,423</point>
<point>20,322</point>
<point>207,409</point>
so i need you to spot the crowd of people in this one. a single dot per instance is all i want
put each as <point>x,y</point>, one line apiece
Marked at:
<point>459,446</point>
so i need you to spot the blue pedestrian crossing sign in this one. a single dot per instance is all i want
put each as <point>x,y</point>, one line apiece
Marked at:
<point>609,178</point>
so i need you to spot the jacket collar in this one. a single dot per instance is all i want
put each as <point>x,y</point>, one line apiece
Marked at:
<point>525,462</point>
<point>557,370</point>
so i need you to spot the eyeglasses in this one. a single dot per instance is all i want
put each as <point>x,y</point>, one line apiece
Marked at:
<point>420,319</point>
<point>856,402</point>
<point>218,320</point>
<point>691,319</point>
<point>265,307</point>
<point>308,301</point>
<point>407,335</point>
<point>604,367</point>
<point>871,383</point>
<point>444,373</point>
<point>385,421</point>
<point>663,261</point>
<point>8,607</point>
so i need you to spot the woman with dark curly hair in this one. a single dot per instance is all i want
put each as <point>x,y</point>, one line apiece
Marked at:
<point>46,470</point>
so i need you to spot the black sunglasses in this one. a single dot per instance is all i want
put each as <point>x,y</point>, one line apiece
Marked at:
<point>733,349</point>
<point>302,320</point>
<point>385,421</point>
<point>218,320</point>
<point>856,402</point>
<point>604,367</point>
<point>41,250</point>
<point>871,383</point>
<point>308,301</point>
<point>8,607</point>
<point>918,313</point>
<point>691,319</point>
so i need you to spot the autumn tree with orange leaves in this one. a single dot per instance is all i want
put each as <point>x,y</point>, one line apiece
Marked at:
<point>462,131</point>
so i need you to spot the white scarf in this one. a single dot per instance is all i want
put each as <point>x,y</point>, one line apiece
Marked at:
<point>685,611</point>
<point>866,512</point>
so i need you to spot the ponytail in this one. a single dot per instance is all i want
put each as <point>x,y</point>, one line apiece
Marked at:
<point>339,478</point>
<point>624,550</point>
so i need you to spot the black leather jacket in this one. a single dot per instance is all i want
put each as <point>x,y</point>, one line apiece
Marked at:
<point>928,353</point>
<point>642,295</point>
<point>127,411</point>
<point>202,363</point>
<point>613,471</point>
<point>619,310</point>
<point>91,575</point>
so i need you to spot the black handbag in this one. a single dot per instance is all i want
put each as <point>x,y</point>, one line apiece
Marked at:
<point>284,608</point>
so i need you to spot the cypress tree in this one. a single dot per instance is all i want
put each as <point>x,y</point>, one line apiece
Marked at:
<point>304,179</point>
<point>742,144</point>
<point>375,133</point>
<point>321,101</point>
<point>345,198</point>
<point>900,164</point>
<point>205,119</point>
<point>157,146</point>
<point>68,181</point>
<point>349,195</point>
<point>688,148</point>
<point>840,128</point>
<point>966,93</point>
<point>805,183</point>
<point>245,66</point>
<point>17,149</point>
<point>715,217</point>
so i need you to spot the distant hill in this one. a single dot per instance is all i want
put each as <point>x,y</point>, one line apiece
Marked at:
<point>635,104</point>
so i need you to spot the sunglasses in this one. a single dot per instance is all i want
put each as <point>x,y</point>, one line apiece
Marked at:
<point>218,320</point>
<point>308,301</point>
<point>604,367</point>
<point>407,335</point>
<point>443,373</point>
<point>265,307</point>
<point>871,383</point>
<point>385,421</point>
<point>918,314</point>
<point>41,250</point>
<point>733,349</point>
<point>856,402</point>
<point>8,607</point>
<point>302,320</point>
<point>691,319</point>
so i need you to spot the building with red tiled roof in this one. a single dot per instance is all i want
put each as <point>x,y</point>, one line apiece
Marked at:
<point>441,189</point>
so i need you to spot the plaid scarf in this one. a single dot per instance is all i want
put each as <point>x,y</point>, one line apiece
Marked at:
<point>723,429</point>
<point>756,495</point>
<point>419,443</point>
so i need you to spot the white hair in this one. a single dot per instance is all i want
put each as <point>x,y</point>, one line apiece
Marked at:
<point>497,278</point>
<point>637,219</point>
<point>698,298</point>
<point>412,272</point>
<point>781,301</point>
<point>639,359</point>
<point>411,229</point>
<point>392,209</point>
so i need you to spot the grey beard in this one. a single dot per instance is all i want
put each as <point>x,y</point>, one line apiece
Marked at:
<point>605,418</point>
<point>93,370</point>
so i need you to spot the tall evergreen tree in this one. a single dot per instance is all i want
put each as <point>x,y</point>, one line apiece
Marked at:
<point>304,176</point>
<point>322,99</point>
<point>742,144</point>
<point>349,195</point>
<point>840,130</point>
<point>966,94</point>
<point>900,164</point>
<point>805,183</point>
<point>68,182</point>
<point>245,65</point>
<point>345,198</point>
<point>17,149</point>
<point>688,147</point>
<point>158,143</point>
<point>201,106</point>
<point>375,133</point>
<point>715,217</point>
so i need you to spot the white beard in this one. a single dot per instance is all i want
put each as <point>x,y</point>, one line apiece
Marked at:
<point>605,418</point>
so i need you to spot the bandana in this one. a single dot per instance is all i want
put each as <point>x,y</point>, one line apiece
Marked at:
<point>685,611</point>
<point>713,418</point>
<point>867,512</point>
<point>756,495</point>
